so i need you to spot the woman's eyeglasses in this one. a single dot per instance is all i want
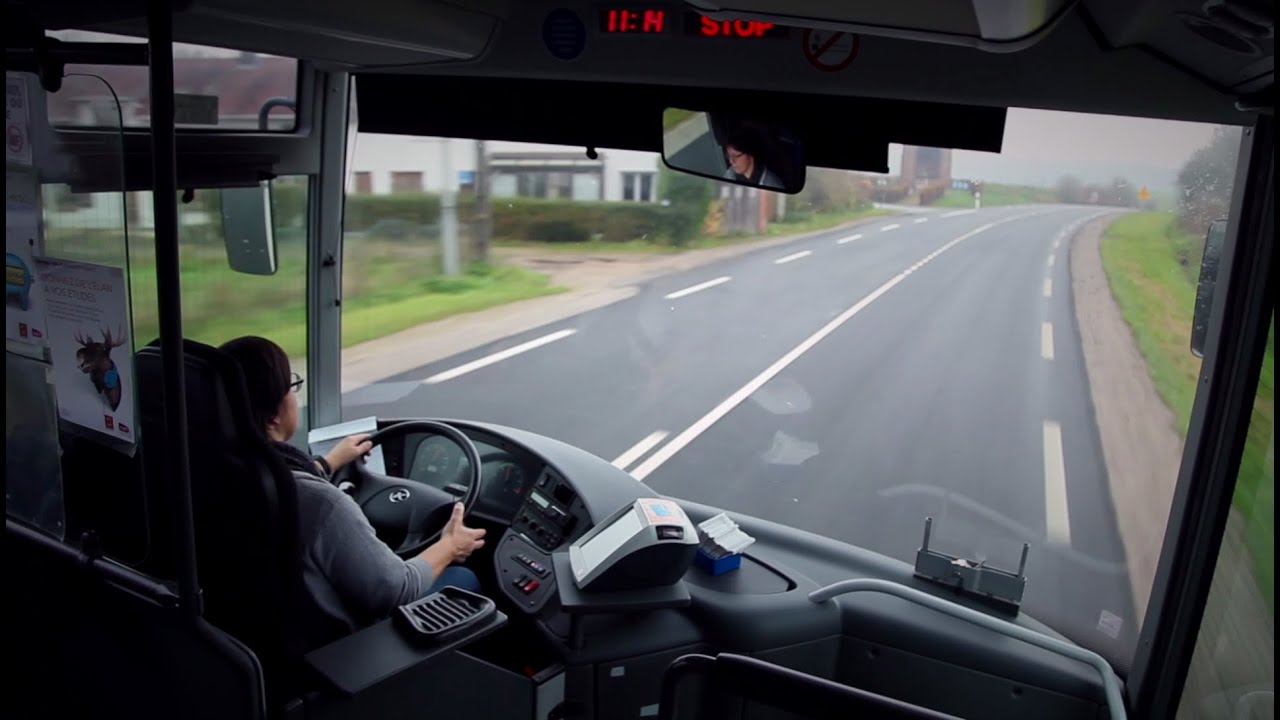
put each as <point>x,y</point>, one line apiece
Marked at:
<point>295,383</point>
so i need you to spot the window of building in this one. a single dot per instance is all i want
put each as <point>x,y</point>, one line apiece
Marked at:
<point>406,182</point>
<point>363,182</point>
<point>637,186</point>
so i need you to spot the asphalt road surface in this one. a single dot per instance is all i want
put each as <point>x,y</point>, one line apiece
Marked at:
<point>849,384</point>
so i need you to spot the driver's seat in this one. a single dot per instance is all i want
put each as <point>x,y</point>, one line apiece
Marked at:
<point>246,512</point>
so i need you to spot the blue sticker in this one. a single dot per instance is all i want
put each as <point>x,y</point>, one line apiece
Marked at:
<point>660,510</point>
<point>564,34</point>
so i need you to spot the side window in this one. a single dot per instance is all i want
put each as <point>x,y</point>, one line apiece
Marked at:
<point>1233,666</point>
<point>234,90</point>
<point>218,303</point>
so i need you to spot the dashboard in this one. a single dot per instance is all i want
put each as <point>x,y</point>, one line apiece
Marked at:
<point>507,469</point>
<point>546,494</point>
<point>540,508</point>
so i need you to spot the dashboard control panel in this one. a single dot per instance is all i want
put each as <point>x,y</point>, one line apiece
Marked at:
<point>550,512</point>
<point>524,572</point>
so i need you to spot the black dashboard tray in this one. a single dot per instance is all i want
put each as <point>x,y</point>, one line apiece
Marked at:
<point>381,651</point>
<point>443,613</point>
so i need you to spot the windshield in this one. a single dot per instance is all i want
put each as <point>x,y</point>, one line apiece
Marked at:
<point>999,342</point>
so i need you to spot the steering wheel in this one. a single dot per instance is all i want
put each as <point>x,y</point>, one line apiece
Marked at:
<point>395,505</point>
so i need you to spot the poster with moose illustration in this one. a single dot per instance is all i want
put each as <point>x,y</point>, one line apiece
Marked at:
<point>88,331</point>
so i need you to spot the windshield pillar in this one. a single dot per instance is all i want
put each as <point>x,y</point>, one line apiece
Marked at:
<point>324,261</point>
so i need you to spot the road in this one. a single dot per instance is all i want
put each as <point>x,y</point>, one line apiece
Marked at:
<point>850,384</point>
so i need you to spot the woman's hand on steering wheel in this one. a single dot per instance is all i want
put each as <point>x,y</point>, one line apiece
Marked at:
<point>456,543</point>
<point>412,516</point>
<point>458,539</point>
<point>349,449</point>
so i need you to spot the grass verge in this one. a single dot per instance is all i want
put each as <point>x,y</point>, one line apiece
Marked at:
<point>811,223</point>
<point>995,195</point>
<point>1151,266</point>
<point>388,287</point>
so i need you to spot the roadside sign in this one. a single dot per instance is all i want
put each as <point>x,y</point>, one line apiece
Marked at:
<point>829,51</point>
<point>1144,194</point>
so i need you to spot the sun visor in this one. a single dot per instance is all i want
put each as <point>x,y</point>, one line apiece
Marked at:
<point>424,31</point>
<point>838,131</point>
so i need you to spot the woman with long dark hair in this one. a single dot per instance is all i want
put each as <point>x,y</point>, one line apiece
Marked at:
<point>352,576</point>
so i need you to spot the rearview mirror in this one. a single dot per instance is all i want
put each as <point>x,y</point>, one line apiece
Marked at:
<point>248,230</point>
<point>734,149</point>
<point>1213,242</point>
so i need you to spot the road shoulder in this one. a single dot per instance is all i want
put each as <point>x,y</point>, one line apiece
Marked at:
<point>1140,442</point>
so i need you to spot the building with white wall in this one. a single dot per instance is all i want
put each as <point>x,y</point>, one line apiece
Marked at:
<point>402,163</point>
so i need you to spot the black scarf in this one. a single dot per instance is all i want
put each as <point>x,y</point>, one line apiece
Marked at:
<point>298,460</point>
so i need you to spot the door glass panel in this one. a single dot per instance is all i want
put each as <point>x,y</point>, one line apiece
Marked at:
<point>1232,670</point>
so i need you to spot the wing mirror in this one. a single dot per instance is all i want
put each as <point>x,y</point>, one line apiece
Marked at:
<point>248,230</point>
<point>1213,244</point>
<point>734,149</point>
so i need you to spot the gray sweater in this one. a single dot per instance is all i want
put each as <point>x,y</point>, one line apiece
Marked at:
<point>351,575</point>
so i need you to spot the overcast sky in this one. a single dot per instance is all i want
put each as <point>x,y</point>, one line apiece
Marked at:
<point>1040,146</point>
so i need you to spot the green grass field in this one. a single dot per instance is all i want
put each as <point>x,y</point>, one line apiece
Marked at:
<point>994,195</point>
<point>821,221</point>
<point>387,286</point>
<point>1151,266</point>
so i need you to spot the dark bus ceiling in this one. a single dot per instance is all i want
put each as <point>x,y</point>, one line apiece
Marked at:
<point>1186,59</point>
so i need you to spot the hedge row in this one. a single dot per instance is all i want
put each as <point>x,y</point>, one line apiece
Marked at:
<point>516,218</point>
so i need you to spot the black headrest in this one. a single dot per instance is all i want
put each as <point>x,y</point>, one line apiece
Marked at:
<point>215,392</point>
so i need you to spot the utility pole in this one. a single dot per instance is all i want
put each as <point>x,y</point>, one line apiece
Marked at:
<point>482,223</point>
<point>448,212</point>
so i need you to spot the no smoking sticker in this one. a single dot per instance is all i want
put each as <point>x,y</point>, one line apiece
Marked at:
<point>16,142</point>
<point>17,146</point>
<point>829,51</point>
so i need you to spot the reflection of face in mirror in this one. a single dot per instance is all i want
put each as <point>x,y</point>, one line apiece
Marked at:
<point>738,149</point>
<point>745,165</point>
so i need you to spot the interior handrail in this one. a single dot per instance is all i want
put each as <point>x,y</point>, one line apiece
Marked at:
<point>786,689</point>
<point>1110,682</point>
